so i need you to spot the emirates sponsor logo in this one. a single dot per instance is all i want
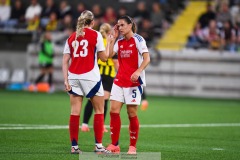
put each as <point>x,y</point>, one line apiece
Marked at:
<point>125,53</point>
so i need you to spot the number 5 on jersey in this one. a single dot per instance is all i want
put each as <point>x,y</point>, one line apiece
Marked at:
<point>84,44</point>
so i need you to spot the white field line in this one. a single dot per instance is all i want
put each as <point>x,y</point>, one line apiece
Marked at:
<point>36,126</point>
<point>217,149</point>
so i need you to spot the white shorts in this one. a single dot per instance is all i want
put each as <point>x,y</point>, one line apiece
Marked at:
<point>86,88</point>
<point>129,95</point>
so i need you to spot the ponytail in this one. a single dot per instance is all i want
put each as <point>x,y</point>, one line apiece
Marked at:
<point>83,20</point>
<point>134,27</point>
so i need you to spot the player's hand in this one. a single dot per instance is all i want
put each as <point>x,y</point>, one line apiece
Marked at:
<point>110,39</point>
<point>135,76</point>
<point>67,86</point>
<point>115,31</point>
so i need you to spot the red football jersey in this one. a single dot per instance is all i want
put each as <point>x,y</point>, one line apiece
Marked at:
<point>130,58</point>
<point>83,54</point>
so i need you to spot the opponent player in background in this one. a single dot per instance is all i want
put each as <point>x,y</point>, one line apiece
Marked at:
<point>108,72</point>
<point>133,58</point>
<point>82,77</point>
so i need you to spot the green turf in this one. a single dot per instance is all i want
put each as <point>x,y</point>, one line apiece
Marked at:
<point>173,143</point>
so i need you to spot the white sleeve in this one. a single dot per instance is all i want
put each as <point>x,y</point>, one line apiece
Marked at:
<point>142,47</point>
<point>115,48</point>
<point>100,44</point>
<point>66,48</point>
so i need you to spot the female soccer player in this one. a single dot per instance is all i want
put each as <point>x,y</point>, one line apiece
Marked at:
<point>82,77</point>
<point>133,58</point>
<point>107,71</point>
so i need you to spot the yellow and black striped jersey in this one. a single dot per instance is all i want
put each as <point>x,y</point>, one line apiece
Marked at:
<point>107,68</point>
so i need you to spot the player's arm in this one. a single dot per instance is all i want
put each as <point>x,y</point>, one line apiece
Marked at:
<point>146,61</point>
<point>65,66</point>
<point>115,62</point>
<point>142,48</point>
<point>111,39</point>
<point>101,53</point>
<point>103,56</point>
<point>109,48</point>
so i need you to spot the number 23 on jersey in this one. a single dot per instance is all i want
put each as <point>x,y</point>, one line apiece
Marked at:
<point>84,51</point>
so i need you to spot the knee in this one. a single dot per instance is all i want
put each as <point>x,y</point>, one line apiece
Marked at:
<point>132,113</point>
<point>99,110</point>
<point>75,111</point>
<point>114,109</point>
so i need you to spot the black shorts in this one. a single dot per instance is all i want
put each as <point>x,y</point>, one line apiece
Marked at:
<point>107,82</point>
<point>45,65</point>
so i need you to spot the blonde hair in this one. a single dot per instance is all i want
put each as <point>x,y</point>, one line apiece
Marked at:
<point>84,19</point>
<point>105,28</point>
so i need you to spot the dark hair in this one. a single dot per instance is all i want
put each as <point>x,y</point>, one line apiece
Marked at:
<point>129,20</point>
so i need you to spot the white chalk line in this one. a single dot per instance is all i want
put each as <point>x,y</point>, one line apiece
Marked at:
<point>41,126</point>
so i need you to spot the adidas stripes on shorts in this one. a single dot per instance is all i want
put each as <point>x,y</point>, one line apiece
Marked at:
<point>129,95</point>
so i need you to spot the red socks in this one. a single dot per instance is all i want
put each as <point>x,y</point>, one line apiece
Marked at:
<point>115,125</point>
<point>98,127</point>
<point>133,130</point>
<point>74,129</point>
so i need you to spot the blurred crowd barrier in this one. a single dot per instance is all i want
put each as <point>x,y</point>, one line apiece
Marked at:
<point>198,73</point>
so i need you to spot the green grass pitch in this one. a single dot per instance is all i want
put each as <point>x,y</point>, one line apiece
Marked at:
<point>174,143</point>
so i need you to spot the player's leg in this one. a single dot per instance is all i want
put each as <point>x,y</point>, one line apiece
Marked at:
<point>94,91</point>
<point>115,125</point>
<point>50,72</point>
<point>132,97</point>
<point>133,128</point>
<point>98,122</point>
<point>107,82</point>
<point>76,98</point>
<point>86,116</point>
<point>76,103</point>
<point>116,103</point>
<point>41,75</point>
<point>50,78</point>
<point>106,98</point>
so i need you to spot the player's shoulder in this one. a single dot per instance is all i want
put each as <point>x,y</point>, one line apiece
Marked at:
<point>91,31</point>
<point>72,37</point>
<point>138,37</point>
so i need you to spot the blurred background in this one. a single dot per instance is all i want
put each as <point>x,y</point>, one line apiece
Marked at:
<point>193,80</point>
<point>194,44</point>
